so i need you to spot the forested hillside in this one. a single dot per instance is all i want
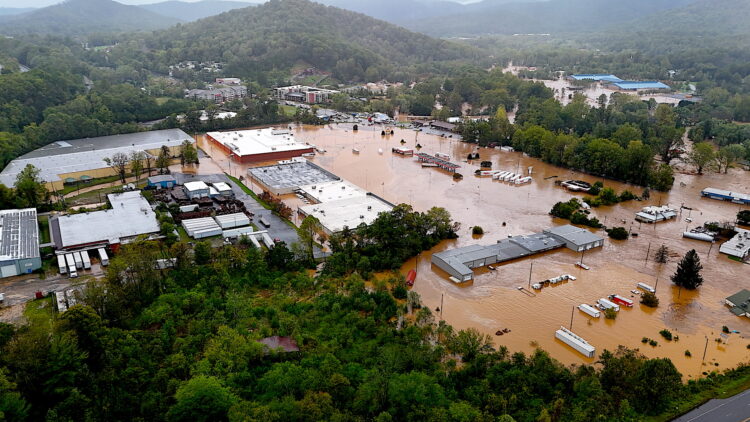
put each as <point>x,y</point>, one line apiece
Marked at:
<point>282,33</point>
<point>725,18</point>
<point>79,17</point>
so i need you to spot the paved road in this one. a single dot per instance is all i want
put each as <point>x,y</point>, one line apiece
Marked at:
<point>733,409</point>
<point>278,230</point>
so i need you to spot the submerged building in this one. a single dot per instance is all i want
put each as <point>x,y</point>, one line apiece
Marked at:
<point>738,246</point>
<point>252,146</point>
<point>459,262</point>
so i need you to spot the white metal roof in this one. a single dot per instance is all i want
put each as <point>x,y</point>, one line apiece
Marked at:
<point>739,245</point>
<point>80,155</point>
<point>333,191</point>
<point>350,212</point>
<point>258,141</point>
<point>131,215</point>
<point>196,186</point>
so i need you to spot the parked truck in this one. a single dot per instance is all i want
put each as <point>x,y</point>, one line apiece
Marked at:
<point>78,260</point>
<point>71,265</point>
<point>86,260</point>
<point>103,258</point>
<point>61,264</point>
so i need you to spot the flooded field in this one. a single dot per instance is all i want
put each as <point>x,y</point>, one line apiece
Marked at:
<point>492,301</point>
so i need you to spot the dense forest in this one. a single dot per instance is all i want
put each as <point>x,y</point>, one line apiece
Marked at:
<point>184,345</point>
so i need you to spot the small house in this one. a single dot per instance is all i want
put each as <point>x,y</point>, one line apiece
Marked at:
<point>196,190</point>
<point>739,303</point>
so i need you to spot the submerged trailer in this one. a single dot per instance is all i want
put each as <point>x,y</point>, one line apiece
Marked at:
<point>589,310</point>
<point>621,300</point>
<point>646,287</point>
<point>499,175</point>
<point>86,260</point>
<point>62,304</point>
<point>578,343</point>
<point>61,264</point>
<point>606,304</point>
<point>103,258</point>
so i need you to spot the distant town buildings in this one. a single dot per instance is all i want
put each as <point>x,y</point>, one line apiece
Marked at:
<point>19,242</point>
<point>83,159</point>
<point>613,82</point>
<point>304,94</point>
<point>228,81</point>
<point>218,95</point>
<point>258,145</point>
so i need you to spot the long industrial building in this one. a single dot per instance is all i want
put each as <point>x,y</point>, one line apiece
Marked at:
<point>460,261</point>
<point>19,242</point>
<point>83,159</point>
<point>350,212</point>
<point>280,179</point>
<point>258,145</point>
<point>131,216</point>
<point>725,195</point>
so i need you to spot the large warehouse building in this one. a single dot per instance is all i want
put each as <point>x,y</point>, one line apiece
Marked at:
<point>131,216</point>
<point>280,179</point>
<point>459,262</point>
<point>349,212</point>
<point>83,159</point>
<point>19,242</point>
<point>252,146</point>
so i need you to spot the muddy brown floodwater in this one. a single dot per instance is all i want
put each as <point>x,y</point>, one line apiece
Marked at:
<point>492,301</point>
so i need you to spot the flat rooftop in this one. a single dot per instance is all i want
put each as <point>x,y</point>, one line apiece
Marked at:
<point>258,141</point>
<point>19,234</point>
<point>739,245</point>
<point>596,77</point>
<point>78,155</point>
<point>333,191</point>
<point>726,194</point>
<point>195,186</point>
<point>641,85</point>
<point>292,175</point>
<point>573,234</point>
<point>350,212</point>
<point>131,215</point>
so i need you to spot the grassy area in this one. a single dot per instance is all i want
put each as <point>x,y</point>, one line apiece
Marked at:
<point>161,100</point>
<point>249,192</point>
<point>183,234</point>
<point>725,386</point>
<point>43,222</point>
<point>288,110</point>
<point>40,313</point>
<point>93,182</point>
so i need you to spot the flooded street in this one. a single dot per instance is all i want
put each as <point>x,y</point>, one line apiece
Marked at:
<point>492,301</point>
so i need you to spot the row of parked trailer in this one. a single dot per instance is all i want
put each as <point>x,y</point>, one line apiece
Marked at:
<point>509,176</point>
<point>554,280</point>
<point>70,263</point>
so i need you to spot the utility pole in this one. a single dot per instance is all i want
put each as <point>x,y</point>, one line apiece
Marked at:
<point>582,253</point>
<point>709,248</point>
<point>572,312</point>
<point>657,284</point>
<point>705,349</point>
<point>647,252</point>
<point>441,305</point>
<point>530,269</point>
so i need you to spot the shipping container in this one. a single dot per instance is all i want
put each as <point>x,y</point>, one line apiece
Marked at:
<point>264,222</point>
<point>62,305</point>
<point>646,287</point>
<point>621,300</point>
<point>606,304</point>
<point>590,310</point>
<point>61,264</point>
<point>78,260</point>
<point>86,260</point>
<point>103,258</point>
<point>576,342</point>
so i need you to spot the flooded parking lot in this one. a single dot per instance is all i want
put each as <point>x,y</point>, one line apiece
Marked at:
<point>492,301</point>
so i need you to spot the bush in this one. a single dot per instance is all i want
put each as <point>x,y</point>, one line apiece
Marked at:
<point>649,299</point>
<point>627,195</point>
<point>687,353</point>
<point>610,313</point>
<point>725,329</point>
<point>645,340</point>
<point>400,291</point>
<point>608,196</point>
<point>477,230</point>
<point>653,343</point>
<point>596,188</point>
<point>618,233</point>
<point>666,334</point>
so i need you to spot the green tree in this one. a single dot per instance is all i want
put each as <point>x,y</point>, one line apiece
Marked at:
<point>701,155</point>
<point>662,254</point>
<point>663,178</point>
<point>688,273</point>
<point>202,253</point>
<point>136,164</point>
<point>201,399</point>
<point>12,406</point>
<point>163,159</point>
<point>188,153</point>
<point>728,155</point>
<point>119,163</point>
<point>308,229</point>
<point>30,189</point>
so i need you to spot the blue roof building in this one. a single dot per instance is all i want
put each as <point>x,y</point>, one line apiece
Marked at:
<point>600,77</point>
<point>635,85</point>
